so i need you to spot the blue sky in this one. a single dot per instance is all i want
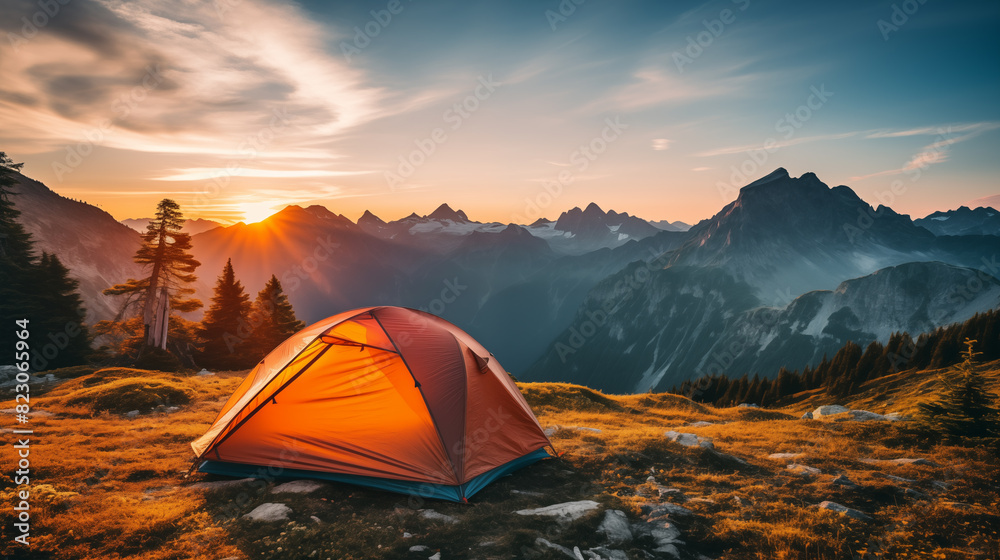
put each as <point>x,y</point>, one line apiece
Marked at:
<point>266,89</point>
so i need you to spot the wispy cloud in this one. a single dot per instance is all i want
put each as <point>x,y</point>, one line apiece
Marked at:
<point>661,144</point>
<point>777,144</point>
<point>203,174</point>
<point>934,153</point>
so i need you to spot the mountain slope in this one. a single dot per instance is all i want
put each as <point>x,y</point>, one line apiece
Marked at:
<point>786,236</point>
<point>95,247</point>
<point>981,221</point>
<point>687,322</point>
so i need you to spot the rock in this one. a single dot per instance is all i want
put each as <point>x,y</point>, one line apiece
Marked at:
<point>297,487</point>
<point>865,416</point>
<point>829,410</point>
<point>668,549</point>
<point>651,479</point>
<point>435,516</point>
<point>132,414</point>
<point>689,440</point>
<point>205,372</point>
<point>700,424</point>
<point>898,478</point>
<point>216,485</point>
<point>806,416</point>
<point>843,510</point>
<point>269,512</point>
<point>584,429</point>
<point>407,535</point>
<point>615,527</point>
<point>567,511</point>
<point>419,548</point>
<point>435,556</point>
<point>901,462</point>
<point>315,519</point>
<point>897,417</point>
<point>654,511</point>
<point>602,553</point>
<point>672,492</point>
<point>550,431</point>
<point>803,470</point>
<point>940,485</point>
<point>548,544</point>
<point>173,408</point>
<point>747,405</point>
<point>842,480</point>
<point>526,493</point>
<point>782,456</point>
<point>915,494</point>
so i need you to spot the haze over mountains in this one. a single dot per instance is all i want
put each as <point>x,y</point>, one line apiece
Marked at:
<point>788,271</point>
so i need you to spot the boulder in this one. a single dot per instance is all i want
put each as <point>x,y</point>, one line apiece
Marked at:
<point>132,414</point>
<point>419,548</point>
<point>803,470</point>
<point>806,416</point>
<point>269,512</point>
<point>615,527</point>
<point>656,511</point>
<point>549,544</point>
<point>843,510</point>
<point>829,410</point>
<point>689,440</point>
<point>435,516</point>
<point>297,487</point>
<point>783,456</point>
<point>567,511</point>
<point>842,480</point>
<point>865,416</point>
<point>205,372</point>
<point>603,553</point>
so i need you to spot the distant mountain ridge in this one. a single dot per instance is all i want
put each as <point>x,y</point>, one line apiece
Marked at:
<point>819,261</point>
<point>192,227</point>
<point>984,220</point>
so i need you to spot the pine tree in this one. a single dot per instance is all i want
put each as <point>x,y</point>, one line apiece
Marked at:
<point>17,258</point>
<point>62,314</point>
<point>965,408</point>
<point>272,319</point>
<point>165,253</point>
<point>218,331</point>
<point>38,289</point>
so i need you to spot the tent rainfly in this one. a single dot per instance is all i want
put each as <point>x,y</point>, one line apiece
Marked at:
<point>386,397</point>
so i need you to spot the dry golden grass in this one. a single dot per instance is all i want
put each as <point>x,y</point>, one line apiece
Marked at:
<point>115,486</point>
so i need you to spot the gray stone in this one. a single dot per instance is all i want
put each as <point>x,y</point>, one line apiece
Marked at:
<point>584,429</point>
<point>689,440</point>
<point>897,417</point>
<point>132,414</point>
<point>654,511</point>
<point>915,494</point>
<point>843,510</point>
<point>806,416</point>
<point>435,556</point>
<point>615,527</point>
<point>549,544</point>
<point>435,516</point>
<point>269,512</point>
<point>829,410</point>
<point>419,548</point>
<point>297,487</point>
<point>865,416</point>
<point>898,478</point>
<point>205,372</point>
<point>803,470</point>
<point>550,431</point>
<point>567,511</point>
<point>700,424</point>
<point>842,480</point>
<point>608,553</point>
<point>782,456</point>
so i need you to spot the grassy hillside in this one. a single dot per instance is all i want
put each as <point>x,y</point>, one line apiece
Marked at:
<point>107,485</point>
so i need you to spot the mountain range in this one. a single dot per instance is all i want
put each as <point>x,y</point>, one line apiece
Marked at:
<point>788,271</point>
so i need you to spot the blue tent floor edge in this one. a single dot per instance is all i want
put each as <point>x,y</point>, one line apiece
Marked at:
<point>423,489</point>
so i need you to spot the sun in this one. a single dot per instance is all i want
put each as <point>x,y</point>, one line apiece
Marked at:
<point>254,212</point>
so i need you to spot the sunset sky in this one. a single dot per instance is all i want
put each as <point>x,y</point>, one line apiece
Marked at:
<point>236,108</point>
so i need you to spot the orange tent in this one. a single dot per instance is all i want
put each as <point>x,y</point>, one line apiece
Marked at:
<point>382,396</point>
